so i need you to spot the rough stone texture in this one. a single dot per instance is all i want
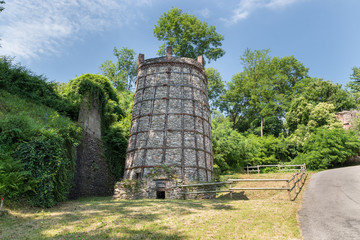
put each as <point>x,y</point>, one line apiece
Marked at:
<point>171,123</point>
<point>149,188</point>
<point>347,118</point>
<point>92,174</point>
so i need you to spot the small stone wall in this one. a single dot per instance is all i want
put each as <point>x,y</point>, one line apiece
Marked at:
<point>150,188</point>
<point>138,189</point>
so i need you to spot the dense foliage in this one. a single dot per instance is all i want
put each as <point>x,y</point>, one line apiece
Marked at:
<point>37,149</point>
<point>259,95</point>
<point>280,114</point>
<point>328,148</point>
<point>114,128</point>
<point>20,81</point>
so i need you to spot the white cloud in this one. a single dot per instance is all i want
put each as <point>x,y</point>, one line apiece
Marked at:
<point>30,28</point>
<point>246,7</point>
<point>205,12</point>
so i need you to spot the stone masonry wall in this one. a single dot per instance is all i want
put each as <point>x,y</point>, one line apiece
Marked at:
<point>347,118</point>
<point>171,123</point>
<point>92,174</point>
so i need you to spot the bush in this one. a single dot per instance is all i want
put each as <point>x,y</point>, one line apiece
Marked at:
<point>264,150</point>
<point>93,86</point>
<point>15,182</point>
<point>37,152</point>
<point>15,129</point>
<point>46,160</point>
<point>327,148</point>
<point>115,149</point>
<point>228,145</point>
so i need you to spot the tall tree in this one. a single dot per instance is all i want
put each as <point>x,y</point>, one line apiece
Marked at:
<point>354,85</point>
<point>122,74</point>
<point>216,86</point>
<point>262,90</point>
<point>188,36</point>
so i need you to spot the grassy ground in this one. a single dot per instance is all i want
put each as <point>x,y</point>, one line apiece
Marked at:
<point>251,215</point>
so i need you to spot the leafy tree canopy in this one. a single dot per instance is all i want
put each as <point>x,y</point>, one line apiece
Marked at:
<point>323,115</point>
<point>216,86</point>
<point>355,84</point>
<point>122,74</point>
<point>263,89</point>
<point>317,90</point>
<point>188,36</point>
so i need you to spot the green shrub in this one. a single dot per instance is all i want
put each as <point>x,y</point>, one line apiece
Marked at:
<point>37,151</point>
<point>45,158</point>
<point>15,182</point>
<point>115,149</point>
<point>93,86</point>
<point>328,148</point>
<point>264,150</point>
<point>15,129</point>
<point>228,145</point>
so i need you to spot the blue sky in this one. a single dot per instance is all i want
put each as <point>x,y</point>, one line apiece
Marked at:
<point>63,39</point>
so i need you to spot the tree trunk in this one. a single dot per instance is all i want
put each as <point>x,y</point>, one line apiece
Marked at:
<point>262,127</point>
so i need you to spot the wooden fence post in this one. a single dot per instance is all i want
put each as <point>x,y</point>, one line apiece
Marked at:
<point>184,192</point>
<point>279,167</point>
<point>258,168</point>
<point>297,183</point>
<point>247,169</point>
<point>230,190</point>
<point>288,186</point>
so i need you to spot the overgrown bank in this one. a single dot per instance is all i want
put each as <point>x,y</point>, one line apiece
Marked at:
<point>37,151</point>
<point>39,133</point>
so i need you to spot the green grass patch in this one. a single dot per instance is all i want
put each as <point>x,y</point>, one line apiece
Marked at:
<point>263,216</point>
<point>40,115</point>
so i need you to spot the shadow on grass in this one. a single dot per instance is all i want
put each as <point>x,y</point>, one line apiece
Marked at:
<point>235,196</point>
<point>123,233</point>
<point>104,218</point>
<point>299,191</point>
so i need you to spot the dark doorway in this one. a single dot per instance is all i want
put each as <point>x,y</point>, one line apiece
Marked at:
<point>160,194</point>
<point>138,175</point>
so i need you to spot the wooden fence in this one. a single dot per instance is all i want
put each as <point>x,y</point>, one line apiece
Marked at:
<point>295,182</point>
<point>281,168</point>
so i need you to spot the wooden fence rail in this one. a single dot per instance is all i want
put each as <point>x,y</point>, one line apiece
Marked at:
<point>250,169</point>
<point>295,182</point>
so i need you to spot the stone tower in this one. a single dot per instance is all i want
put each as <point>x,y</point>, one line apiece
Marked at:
<point>171,123</point>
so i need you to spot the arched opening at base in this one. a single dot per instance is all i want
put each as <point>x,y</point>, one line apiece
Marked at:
<point>160,194</point>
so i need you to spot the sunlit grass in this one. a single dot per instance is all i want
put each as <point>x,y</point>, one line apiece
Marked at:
<point>39,115</point>
<point>266,215</point>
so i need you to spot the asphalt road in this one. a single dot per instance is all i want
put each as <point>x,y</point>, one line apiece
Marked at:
<point>331,206</point>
